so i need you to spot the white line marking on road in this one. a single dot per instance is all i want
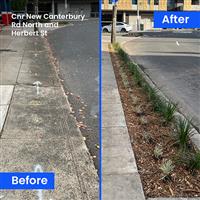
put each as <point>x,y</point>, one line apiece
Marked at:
<point>37,84</point>
<point>38,168</point>
<point>177,43</point>
<point>1,196</point>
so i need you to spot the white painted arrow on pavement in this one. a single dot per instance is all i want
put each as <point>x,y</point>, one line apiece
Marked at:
<point>37,84</point>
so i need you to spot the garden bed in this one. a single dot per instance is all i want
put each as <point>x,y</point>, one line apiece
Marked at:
<point>154,136</point>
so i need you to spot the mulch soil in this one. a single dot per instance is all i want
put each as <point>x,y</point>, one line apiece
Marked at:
<point>147,130</point>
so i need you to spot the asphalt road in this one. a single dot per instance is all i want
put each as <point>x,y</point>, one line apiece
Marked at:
<point>77,50</point>
<point>172,61</point>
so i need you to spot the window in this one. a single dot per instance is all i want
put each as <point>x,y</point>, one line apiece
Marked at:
<point>110,1</point>
<point>156,2</point>
<point>134,2</point>
<point>195,2</point>
<point>149,1</point>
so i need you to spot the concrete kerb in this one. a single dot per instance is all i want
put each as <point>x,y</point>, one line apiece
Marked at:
<point>196,134</point>
<point>83,145</point>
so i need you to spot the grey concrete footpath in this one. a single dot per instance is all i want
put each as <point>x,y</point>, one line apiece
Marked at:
<point>121,180</point>
<point>39,130</point>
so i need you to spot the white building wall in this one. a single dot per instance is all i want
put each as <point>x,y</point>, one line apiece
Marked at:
<point>146,20</point>
<point>76,8</point>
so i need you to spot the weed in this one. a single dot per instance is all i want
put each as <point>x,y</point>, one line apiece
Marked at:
<point>158,152</point>
<point>167,168</point>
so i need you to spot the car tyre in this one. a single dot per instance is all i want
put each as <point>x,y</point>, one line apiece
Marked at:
<point>105,30</point>
<point>123,30</point>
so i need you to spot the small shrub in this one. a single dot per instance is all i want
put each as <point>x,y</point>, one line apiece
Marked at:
<point>167,168</point>
<point>138,78</point>
<point>132,67</point>
<point>194,163</point>
<point>138,110</point>
<point>143,120</point>
<point>168,110</point>
<point>158,152</point>
<point>123,55</point>
<point>116,46</point>
<point>184,132</point>
<point>192,160</point>
<point>153,96</point>
<point>148,138</point>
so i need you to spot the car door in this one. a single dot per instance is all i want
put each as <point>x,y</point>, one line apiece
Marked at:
<point>119,26</point>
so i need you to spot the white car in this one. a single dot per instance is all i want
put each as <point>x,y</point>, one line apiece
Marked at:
<point>120,27</point>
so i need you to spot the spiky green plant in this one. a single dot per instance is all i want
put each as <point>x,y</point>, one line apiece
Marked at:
<point>167,168</point>
<point>194,161</point>
<point>138,77</point>
<point>184,132</point>
<point>143,120</point>
<point>123,55</point>
<point>116,46</point>
<point>158,151</point>
<point>132,67</point>
<point>148,137</point>
<point>168,110</point>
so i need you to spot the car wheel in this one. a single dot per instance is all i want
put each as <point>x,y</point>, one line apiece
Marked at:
<point>105,30</point>
<point>123,30</point>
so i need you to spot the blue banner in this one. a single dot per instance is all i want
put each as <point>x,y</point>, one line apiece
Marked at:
<point>27,180</point>
<point>181,19</point>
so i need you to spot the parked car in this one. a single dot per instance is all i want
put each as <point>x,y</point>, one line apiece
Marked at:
<point>120,27</point>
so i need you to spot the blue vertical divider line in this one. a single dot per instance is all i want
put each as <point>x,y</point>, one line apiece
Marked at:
<point>100,101</point>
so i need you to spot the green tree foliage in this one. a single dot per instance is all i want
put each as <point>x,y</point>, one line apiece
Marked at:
<point>18,5</point>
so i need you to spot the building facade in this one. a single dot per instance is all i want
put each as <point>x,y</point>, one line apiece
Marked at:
<point>127,10</point>
<point>87,7</point>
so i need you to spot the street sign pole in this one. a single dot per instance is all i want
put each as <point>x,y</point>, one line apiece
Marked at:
<point>36,13</point>
<point>114,19</point>
<point>6,9</point>
<point>138,15</point>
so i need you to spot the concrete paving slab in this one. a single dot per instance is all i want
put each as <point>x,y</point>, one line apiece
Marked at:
<point>107,107</point>
<point>51,96</point>
<point>119,164</point>
<point>36,121</point>
<point>5,94</point>
<point>115,121</point>
<point>115,136</point>
<point>23,155</point>
<point>9,76</point>
<point>3,112</point>
<point>68,191</point>
<point>29,79</point>
<point>124,187</point>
